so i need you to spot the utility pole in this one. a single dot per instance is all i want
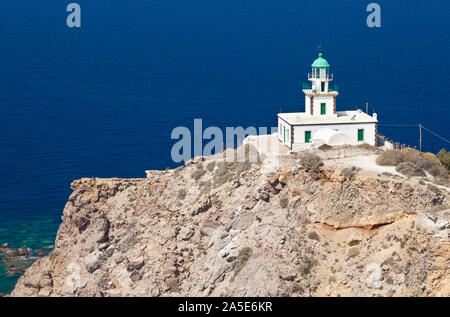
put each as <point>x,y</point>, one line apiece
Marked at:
<point>420,138</point>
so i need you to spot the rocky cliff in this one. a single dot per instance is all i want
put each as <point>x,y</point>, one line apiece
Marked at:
<point>212,228</point>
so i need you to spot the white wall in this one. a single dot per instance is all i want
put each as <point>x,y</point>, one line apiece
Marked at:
<point>350,129</point>
<point>283,127</point>
<point>328,100</point>
<point>307,104</point>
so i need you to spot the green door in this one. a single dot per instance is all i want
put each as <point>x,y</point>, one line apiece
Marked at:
<point>307,136</point>
<point>360,134</point>
<point>323,108</point>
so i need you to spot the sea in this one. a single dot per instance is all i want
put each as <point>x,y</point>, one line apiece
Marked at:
<point>102,100</point>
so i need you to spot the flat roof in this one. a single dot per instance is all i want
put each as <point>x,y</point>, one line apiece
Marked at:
<point>303,118</point>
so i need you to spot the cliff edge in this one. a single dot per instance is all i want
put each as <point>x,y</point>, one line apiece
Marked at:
<point>212,228</point>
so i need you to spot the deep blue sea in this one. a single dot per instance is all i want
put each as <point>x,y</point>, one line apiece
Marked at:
<point>102,100</point>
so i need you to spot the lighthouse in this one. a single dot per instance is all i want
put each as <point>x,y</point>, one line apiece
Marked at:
<point>320,94</point>
<point>321,122</point>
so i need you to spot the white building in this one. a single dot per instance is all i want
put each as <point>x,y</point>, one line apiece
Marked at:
<point>321,123</point>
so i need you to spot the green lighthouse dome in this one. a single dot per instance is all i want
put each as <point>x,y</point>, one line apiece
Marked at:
<point>320,62</point>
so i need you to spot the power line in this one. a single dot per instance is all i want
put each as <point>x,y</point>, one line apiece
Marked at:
<point>420,127</point>
<point>437,135</point>
<point>400,125</point>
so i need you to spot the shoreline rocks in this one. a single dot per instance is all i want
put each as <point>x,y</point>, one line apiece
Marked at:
<point>17,260</point>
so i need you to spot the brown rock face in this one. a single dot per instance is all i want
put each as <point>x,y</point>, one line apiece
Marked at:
<point>221,229</point>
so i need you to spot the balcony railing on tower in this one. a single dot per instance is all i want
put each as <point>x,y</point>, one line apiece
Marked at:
<point>331,87</point>
<point>320,76</point>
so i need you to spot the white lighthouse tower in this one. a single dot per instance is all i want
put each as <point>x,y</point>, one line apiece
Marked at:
<point>321,123</point>
<point>320,95</point>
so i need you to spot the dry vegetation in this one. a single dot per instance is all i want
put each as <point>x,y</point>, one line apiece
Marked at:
<point>444,158</point>
<point>311,162</point>
<point>241,260</point>
<point>411,162</point>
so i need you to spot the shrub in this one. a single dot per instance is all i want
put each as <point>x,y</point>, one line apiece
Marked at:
<point>325,147</point>
<point>389,280</point>
<point>365,146</point>
<point>54,254</point>
<point>305,267</point>
<point>353,252</point>
<point>313,236</point>
<point>431,157</point>
<point>426,161</point>
<point>210,166</point>
<point>434,189</point>
<point>410,170</point>
<point>241,260</point>
<point>284,201</point>
<point>172,284</point>
<point>332,279</point>
<point>197,174</point>
<point>390,158</point>
<point>311,162</point>
<point>182,193</point>
<point>296,288</point>
<point>348,172</point>
<point>444,158</point>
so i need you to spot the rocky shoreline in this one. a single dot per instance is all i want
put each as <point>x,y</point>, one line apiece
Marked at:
<point>17,260</point>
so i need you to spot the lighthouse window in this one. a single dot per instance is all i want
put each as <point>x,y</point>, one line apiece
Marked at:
<point>322,73</point>
<point>323,86</point>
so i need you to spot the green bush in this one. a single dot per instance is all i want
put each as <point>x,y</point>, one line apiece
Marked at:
<point>444,158</point>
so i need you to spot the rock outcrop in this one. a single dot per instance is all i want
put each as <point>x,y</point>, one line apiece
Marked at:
<point>237,229</point>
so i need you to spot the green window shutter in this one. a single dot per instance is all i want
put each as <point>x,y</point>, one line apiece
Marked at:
<point>284,134</point>
<point>307,136</point>
<point>323,108</point>
<point>360,134</point>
